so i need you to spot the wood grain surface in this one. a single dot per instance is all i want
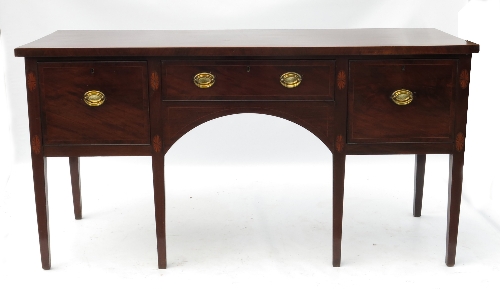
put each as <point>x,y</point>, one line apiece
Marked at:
<point>240,43</point>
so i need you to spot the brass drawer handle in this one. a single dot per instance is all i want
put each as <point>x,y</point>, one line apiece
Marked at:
<point>290,79</point>
<point>402,96</point>
<point>94,98</point>
<point>204,79</point>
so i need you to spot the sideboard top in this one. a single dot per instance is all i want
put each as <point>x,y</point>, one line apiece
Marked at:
<point>320,42</point>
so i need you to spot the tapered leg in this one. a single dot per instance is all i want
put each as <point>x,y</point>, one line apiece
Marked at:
<point>74,168</point>
<point>39,165</point>
<point>454,198</point>
<point>419,184</point>
<point>159,197</point>
<point>338,203</point>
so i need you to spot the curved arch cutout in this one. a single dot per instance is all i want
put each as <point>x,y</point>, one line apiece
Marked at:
<point>316,117</point>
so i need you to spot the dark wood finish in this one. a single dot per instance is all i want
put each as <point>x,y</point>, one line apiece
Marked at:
<point>348,77</point>
<point>374,117</point>
<point>248,80</point>
<point>122,118</point>
<point>339,156</point>
<point>419,184</point>
<point>39,165</point>
<point>74,168</point>
<point>338,205</point>
<point>454,199</point>
<point>158,159</point>
<point>38,162</point>
<point>398,148</point>
<point>247,43</point>
<point>457,162</point>
<point>181,117</point>
<point>96,150</point>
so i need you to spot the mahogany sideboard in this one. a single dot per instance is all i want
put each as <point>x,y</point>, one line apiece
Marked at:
<point>135,93</point>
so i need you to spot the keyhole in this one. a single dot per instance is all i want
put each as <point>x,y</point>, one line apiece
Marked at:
<point>91,71</point>
<point>404,67</point>
<point>248,68</point>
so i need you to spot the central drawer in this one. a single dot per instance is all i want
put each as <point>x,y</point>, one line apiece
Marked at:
<point>248,80</point>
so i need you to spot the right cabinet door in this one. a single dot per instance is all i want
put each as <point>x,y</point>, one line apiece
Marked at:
<point>401,100</point>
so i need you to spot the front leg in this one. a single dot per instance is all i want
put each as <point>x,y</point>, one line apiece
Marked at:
<point>38,161</point>
<point>338,205</point>
<point>158,160</point>
<point>454,198</point>
<point>39,164</point>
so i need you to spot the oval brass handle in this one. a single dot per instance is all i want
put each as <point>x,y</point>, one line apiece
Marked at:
<point>94,98</point>
<point>402,96</point>
<point>204,79</point>
<point>290,79</point>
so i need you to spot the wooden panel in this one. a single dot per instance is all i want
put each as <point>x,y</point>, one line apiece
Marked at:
<point>247,43</point>
<point>374,117</point>
<point>67,119</point>
<point>250,80</point>
<point>180,117</point>
<point>97,150</point>
<point>398,148</point>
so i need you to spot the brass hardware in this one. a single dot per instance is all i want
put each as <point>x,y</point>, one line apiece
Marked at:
<point>204,79</point>
<point>94,98</point>
<point>290,79</point>
<point>402,96</point>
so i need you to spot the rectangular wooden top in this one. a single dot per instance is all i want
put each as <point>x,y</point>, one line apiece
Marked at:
<point>244,43</point>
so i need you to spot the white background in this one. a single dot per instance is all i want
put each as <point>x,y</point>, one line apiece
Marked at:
<point>261,165</point>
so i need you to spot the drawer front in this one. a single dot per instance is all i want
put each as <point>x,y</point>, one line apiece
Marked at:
<point>247,80</point>
<point>374,117</point>
<point>123,118</point>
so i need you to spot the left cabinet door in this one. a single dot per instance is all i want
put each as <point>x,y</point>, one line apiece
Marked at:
<point>119,116</point>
